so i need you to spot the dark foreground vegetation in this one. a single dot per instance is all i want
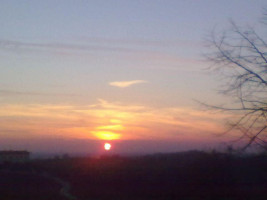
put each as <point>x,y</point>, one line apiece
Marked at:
<point>189,175</point>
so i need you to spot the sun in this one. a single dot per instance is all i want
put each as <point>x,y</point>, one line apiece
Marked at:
<point>107,146</point>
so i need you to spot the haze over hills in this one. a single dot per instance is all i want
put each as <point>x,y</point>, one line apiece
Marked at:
<point>96,147</point>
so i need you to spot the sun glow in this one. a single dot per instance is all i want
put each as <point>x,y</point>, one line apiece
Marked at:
<point>107,146</point>
<point>111,127</point>
<point>108,132</point>
<point>106,135</point>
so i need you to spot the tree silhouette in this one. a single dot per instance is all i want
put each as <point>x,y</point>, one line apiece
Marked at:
<point>240,56</point>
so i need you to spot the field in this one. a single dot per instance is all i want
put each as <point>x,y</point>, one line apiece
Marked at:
<point>187,175</point>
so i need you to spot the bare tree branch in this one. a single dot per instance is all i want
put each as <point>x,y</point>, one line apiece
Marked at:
<point>240,54</point>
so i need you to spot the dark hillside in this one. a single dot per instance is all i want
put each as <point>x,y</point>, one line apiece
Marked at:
<point>188,175</point>
<point>19,182</point>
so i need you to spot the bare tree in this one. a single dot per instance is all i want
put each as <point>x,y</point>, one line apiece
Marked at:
<point>240,56</point>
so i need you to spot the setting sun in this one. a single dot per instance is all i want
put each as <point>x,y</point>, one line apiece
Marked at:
<point>107,146</point>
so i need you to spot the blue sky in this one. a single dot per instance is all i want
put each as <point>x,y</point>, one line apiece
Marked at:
<point>142,19</point>
<point>72,68</point>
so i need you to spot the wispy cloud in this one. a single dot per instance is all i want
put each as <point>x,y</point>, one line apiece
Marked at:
<point>142,51</point>
<point>97,44</point>
<point>142,42</point>
<point>124,84</point>
<point>13,45</point>
<point>107,119</point>
<point>24,93</point>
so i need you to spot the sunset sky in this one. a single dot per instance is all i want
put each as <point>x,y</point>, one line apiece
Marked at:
<point>75,74</point>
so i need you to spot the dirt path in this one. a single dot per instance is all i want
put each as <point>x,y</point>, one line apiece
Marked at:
<point>65,186</point>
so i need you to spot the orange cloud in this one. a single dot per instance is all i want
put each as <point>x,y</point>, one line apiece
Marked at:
<point>106,120</point>
<point>106,135</point>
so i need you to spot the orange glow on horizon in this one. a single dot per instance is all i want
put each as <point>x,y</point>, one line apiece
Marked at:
<point>110,127</point>
<point>108,132</point>
<point>109,121</point>
<point>115,121</point>
<point>106,135</point>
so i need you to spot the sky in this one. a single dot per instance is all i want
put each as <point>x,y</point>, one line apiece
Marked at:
<point>75,74</point>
